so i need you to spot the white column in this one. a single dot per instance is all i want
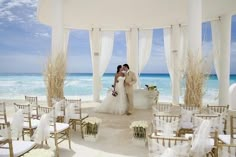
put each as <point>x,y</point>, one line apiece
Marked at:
<point>57,28</point>
<point>232,98</point>
<point>195,26</point>
<point>225,29</point>
<point>95,43</point>
<point>132,51</point>
<point>66,40</point>
<point>175,48</point>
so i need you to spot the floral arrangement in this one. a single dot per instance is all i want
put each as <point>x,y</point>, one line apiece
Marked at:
<point>151,87</point>
<point>91,125</point>
<point>114,93</point>
<point>139,129</point>
<point>40,152</point>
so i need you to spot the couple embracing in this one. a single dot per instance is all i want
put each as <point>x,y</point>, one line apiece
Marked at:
<point>120,100</point>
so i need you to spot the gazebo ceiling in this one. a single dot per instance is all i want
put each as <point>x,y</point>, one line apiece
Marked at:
<point>124,14</point>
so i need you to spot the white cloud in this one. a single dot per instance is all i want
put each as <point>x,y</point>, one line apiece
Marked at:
<point>13,10</point>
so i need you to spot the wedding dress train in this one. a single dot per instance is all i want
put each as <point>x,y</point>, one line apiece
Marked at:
<point>115,104</point>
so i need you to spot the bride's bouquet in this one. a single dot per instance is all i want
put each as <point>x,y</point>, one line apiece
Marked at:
<point>114,92</point>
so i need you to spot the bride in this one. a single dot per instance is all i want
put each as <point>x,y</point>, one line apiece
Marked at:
<point>115,101</point>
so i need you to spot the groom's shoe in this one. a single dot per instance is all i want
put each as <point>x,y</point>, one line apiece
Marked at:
<point>128,113</point>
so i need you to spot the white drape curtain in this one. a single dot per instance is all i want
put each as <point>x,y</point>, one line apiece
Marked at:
<point>95,43</point>
<point>101,43</point>
<point>145,46</point>
<point>183,50</point>
<point>128,48</point>
<point>132,51</point>
<point>106,50</point>
<point>216,40</point>
<point>167,46</point>
<point>107,43</point>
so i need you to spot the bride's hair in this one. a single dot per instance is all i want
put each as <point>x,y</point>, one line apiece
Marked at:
<point>118,68</point>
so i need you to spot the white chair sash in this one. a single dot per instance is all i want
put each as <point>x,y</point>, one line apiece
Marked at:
<point>58,106</point>
<point>201,141</point>
<point>17,123</point>
<point>70,110</point>
<point>42,132</point>
<point>178,150</point>
<point>167,128</point>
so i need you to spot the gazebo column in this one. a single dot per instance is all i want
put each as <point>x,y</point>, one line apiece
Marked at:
<point>60,35</point>
<point>195,26</point>
<point>60,38</point>
<point>95,44</point>
<point>132,41</point>
<point>175,47</point>
<point>224,71</point>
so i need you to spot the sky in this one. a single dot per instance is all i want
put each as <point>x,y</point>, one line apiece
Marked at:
<point>25,44</point>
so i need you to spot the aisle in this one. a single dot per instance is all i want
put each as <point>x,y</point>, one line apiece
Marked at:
<point>115,138</point>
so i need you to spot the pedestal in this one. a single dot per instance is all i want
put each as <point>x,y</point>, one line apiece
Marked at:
<point>144,99</point>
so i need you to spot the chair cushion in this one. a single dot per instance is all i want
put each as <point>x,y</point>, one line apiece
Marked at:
<point>161,134</point>
<point>59,127</point>
<point>77,116</point>
<point>34,124</point>
<point>19,148</point>
<point>2,139</point>
<point>186,125</point>
<point>191,136</point>
<point>227,139</point>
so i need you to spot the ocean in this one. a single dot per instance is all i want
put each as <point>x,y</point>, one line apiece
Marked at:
<point>16,86</point>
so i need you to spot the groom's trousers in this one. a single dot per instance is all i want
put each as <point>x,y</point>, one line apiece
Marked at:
<point>130,98</point>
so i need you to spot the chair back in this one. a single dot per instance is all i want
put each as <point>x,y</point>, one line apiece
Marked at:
<point>59,105</point>
<point>26,112</point>
<point>41,110</point>
<point>77,106</point>
<point>233,127</point>
<point>194,109</point>
<point>215,121</point>
<point>32,100</point>
<point>3,114</point>
<point>166,123</point>
<point>159,145</point>
<point>217,108</point>
<point>161,107</point>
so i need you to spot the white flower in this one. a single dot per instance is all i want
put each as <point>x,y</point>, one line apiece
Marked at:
<point>143,124</point>
<point>40,152</point>
<point>93,120</point>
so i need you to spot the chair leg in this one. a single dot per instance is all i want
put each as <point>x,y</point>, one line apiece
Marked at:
<point>81,128</point>
<point>68,136</point>
<point>23,135</point>
<point>56,144</point>
<point>74,125</point>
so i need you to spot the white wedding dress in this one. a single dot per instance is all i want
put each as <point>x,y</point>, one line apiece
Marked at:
<point>112,104</point>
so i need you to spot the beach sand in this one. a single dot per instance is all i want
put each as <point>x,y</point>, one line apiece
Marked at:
<point>115,136</point>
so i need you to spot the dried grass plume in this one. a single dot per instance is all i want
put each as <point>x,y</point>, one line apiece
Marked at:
<point>195,79</point>
<point>54,76</point>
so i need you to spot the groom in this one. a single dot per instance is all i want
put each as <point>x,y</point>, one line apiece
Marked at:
<point>130,80</point>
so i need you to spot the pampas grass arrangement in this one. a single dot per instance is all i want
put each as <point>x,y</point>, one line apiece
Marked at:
<point>195,79</point>
<point>54,76</point>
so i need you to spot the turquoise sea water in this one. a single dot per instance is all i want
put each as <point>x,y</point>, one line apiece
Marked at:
<point>15,86</point>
